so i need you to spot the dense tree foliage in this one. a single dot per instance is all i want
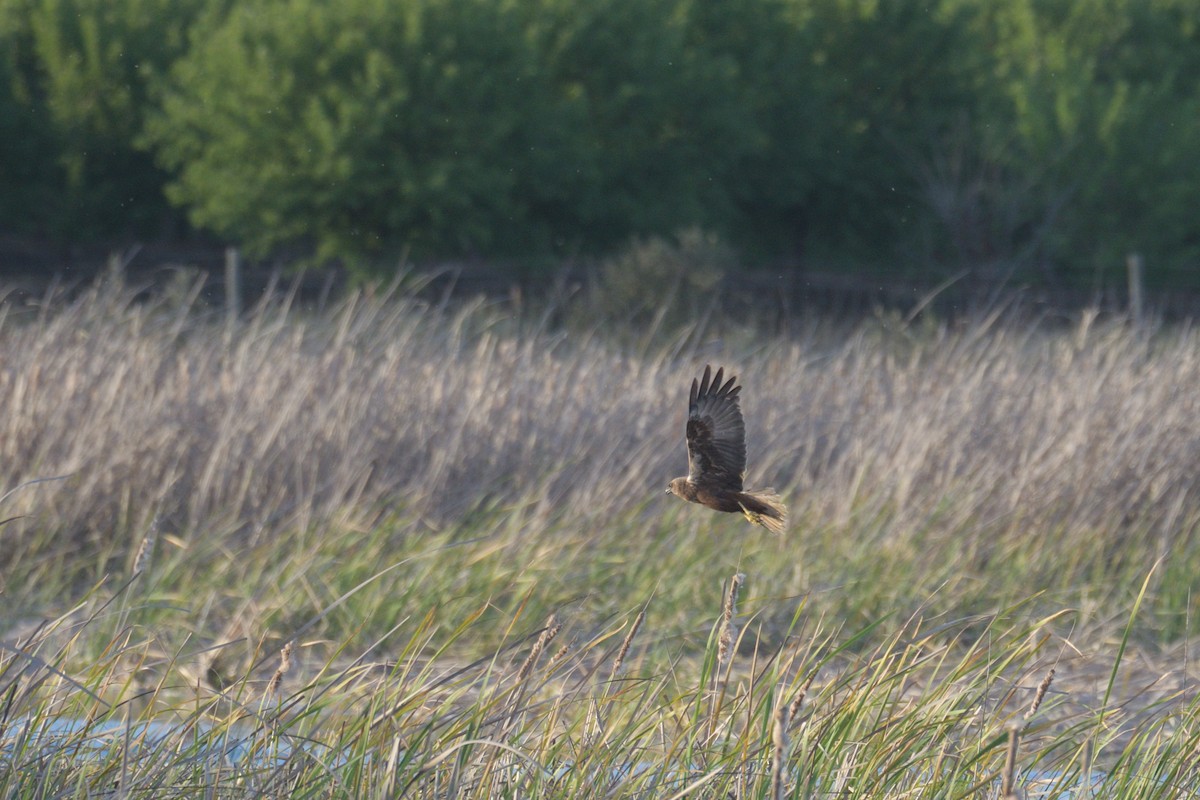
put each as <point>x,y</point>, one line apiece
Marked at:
<point>75,90</point>
<point>1046,136</point>
<point>1098,109</point>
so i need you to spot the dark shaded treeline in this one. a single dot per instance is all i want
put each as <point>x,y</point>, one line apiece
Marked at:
<point>1035,141</point>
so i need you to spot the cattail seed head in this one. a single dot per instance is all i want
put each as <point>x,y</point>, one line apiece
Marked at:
<point>731,598</point>
<point>620,659</point>
<point>285,663</point>
<point>141,561</point>
<point>553,626</point>
<point>1043,687</point>
<point>794,708</point>
<point>728,633</point>
<point>558,657</point>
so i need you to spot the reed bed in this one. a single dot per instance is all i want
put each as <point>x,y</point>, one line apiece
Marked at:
<point>421,548</point>
<point>904,710</point>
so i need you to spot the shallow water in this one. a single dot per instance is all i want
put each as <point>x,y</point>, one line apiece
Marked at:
<point>249,748</point>
<point>84,738</point>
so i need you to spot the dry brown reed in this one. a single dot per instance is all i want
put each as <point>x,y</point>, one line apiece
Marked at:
<point>549,631</point>
<point>798,700</point>
<point>1008,777</point>
<point>1043,687</point>
<point>285,664</point>
<point>141,561</point>
<point>560,655</point>
<point>727,636</point>
<point>393,402</point>
<point>619,661</point>
<point>960,439</point>
<point>779,751</point>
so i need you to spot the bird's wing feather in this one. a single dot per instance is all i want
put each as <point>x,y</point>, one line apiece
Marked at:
<point>716,435</point>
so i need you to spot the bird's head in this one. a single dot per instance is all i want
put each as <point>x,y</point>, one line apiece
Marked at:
<point>676,487</point>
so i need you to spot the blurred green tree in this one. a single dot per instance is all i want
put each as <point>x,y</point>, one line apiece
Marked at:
<point>1042,138</point>
<point>1094,107</point>
<point>451,127</point>
<point>360,128</point>
<point>76,85</point>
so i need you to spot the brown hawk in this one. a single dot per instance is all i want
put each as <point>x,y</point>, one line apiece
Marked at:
<point>716,442</point>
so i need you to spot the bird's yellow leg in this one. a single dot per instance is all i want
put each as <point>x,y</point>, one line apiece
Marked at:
<point>754,517</point>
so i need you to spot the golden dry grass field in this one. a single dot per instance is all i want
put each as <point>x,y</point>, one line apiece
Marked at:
<point>451,517</point>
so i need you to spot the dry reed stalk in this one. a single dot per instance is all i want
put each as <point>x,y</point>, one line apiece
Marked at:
<point>551,629</point>
<point>728,633</point>
<point>593,726</point>
<point>620,659</point>
<point>560,654</point>
<point>1043,687</point>
<point>1008,779</point>
<point>285,664</point>
<point>141,561</point>
<point>155,390</point>
<point>779,753</point>
<point>798,700</point>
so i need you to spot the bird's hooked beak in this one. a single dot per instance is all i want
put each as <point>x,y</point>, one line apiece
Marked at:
<point>668,490</point>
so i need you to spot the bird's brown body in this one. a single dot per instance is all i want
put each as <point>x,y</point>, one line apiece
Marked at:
<point>716,440</point>
<point>720,499</point>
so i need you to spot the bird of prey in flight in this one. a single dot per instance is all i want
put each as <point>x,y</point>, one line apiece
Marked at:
<point>716,443</point>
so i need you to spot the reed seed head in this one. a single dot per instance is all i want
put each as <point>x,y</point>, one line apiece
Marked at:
<point>558,657</point>
<point>1043,687</point>
<point>794,708</point>
<point>620,659</point>
<point>141,562</point>
<point>285,664</point>
<point>729,631</point>
<point>553,626</point>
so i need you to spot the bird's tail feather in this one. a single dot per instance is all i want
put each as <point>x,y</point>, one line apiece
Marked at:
<point>764,508</point>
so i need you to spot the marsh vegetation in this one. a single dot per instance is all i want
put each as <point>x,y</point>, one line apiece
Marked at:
<point>450,516</point>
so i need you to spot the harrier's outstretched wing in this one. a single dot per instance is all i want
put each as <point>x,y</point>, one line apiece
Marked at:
<point>716,435</point>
